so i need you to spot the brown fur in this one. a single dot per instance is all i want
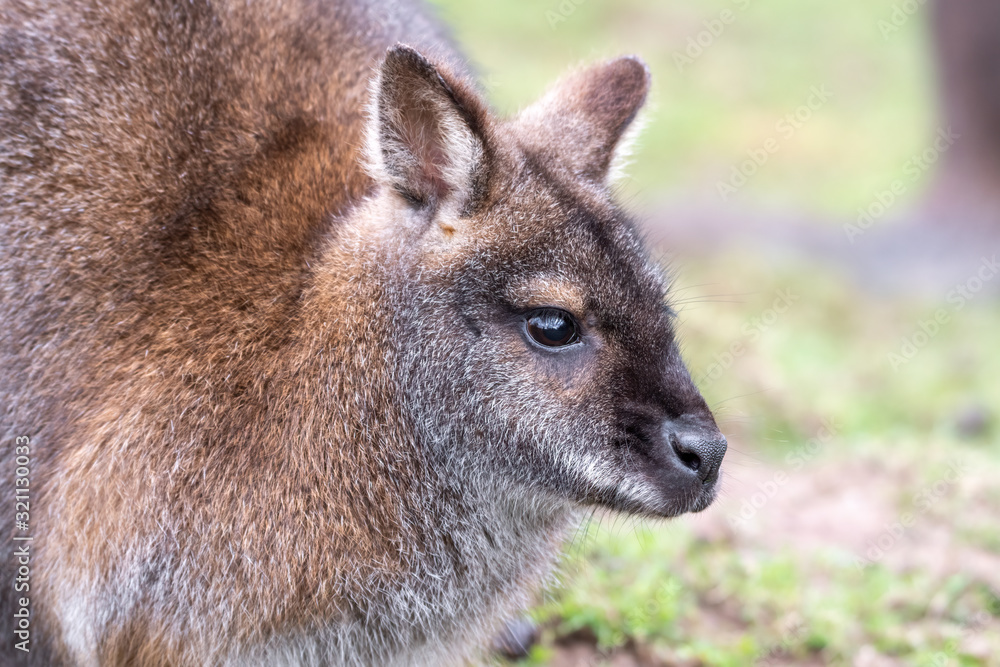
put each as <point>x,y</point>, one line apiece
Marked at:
<point>281,412</point>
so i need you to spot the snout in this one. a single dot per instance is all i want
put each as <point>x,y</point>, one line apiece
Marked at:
<point>683,460</point>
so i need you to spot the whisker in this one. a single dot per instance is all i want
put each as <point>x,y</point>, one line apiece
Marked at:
<point>733,398</point>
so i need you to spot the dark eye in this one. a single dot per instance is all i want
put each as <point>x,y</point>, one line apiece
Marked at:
<point>552,328</point>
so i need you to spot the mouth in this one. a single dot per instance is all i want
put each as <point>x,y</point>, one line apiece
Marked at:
<point>659,496</point>
<point>661,478</point>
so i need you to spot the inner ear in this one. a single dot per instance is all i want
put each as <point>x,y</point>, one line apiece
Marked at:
<point>422,138</point>
<point>582,120</point>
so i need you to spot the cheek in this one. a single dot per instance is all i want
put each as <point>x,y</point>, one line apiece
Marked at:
<point>567,377</point>
<point>529,381</point>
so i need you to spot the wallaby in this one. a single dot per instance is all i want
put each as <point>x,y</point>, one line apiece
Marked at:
<point>314,359</point>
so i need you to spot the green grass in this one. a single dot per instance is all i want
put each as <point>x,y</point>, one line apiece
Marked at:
<point>688,600</point>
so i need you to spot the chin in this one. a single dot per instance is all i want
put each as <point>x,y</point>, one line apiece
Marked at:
<point>647,498</point>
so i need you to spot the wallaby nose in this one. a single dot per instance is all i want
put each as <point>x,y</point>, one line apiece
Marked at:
<point>699,450</point>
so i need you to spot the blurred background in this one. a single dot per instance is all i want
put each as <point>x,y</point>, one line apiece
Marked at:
<point>823,181</point>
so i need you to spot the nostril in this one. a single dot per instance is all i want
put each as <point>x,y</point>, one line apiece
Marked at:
<point>688,458</point>
<point>700,451</point>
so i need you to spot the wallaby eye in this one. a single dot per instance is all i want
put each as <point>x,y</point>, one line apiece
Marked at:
<point>552,328</point>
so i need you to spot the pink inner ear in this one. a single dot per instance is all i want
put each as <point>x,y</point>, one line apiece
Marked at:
<point>419,132</point>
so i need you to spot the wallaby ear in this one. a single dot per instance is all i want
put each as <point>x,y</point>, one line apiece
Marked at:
<point>422,134</point>
<point>582,120</point>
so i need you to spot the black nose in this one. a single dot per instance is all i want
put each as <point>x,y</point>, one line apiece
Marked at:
<point>699,450</point>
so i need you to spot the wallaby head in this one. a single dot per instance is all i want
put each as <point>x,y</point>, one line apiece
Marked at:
<point>539,346</point>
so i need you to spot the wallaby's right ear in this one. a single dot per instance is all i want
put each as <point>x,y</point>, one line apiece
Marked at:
<point>424,135</point>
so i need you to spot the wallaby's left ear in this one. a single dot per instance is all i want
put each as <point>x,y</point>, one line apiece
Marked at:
<point>581,121</point>
<point>424,132</point>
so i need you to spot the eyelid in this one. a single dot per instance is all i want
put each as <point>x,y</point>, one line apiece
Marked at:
<point>534,308</point>
<point>528,312</point>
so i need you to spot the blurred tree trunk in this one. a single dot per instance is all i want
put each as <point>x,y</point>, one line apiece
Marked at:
<point>967,40</point>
